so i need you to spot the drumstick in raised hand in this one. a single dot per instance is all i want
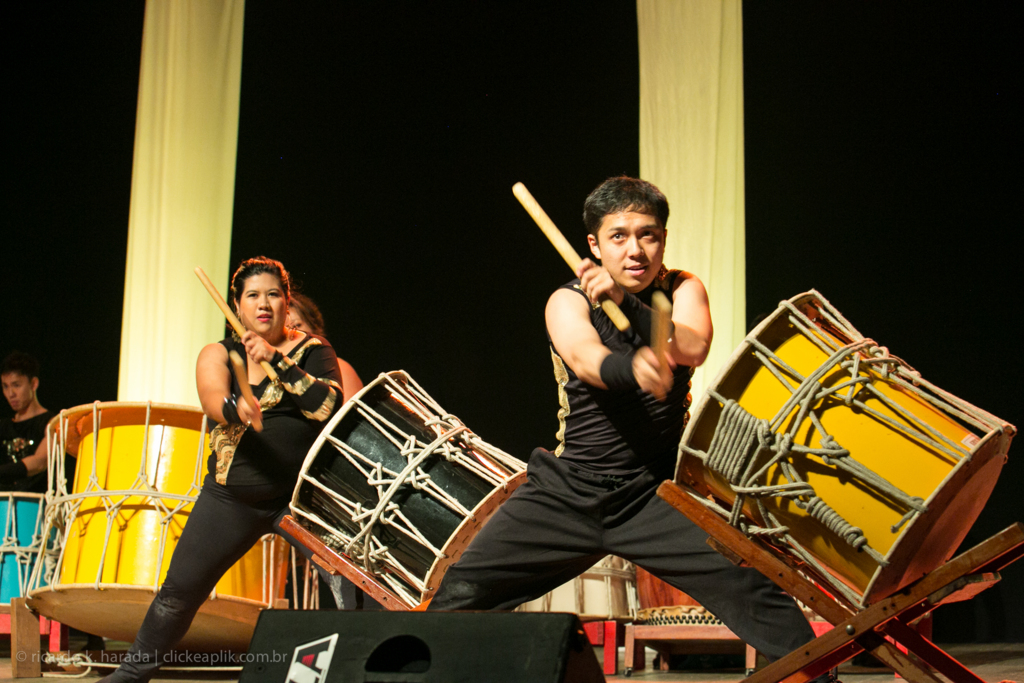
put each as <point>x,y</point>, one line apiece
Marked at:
<point>661,324</point>
<point>242,375</point>
<point>559,242</point>
<point>232,320</point>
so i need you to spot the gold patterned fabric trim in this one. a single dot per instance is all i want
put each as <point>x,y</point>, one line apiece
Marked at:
<point>300,387</point>
<point>306,346</point>
<point>327,407</point>
<point>593,304</point>
<point>562,377</point>
<point>224,440</point>
<point>661,280</point>
<point>272,395</point>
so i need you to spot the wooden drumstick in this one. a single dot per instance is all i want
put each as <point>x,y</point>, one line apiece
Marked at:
<point>661,324</point>
<point>232,320</point>
<point>558,240</point>
<point>242,375</point>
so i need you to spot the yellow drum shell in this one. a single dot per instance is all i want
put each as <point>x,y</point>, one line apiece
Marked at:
<point>954,490</point>
<point>109,576</point>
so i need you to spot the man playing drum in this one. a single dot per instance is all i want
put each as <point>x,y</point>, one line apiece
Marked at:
<point>596,494</point>
<point>23,437</point>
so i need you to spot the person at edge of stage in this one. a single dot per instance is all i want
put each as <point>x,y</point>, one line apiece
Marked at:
<point>596,493</point>
<point>23,437</point>
<point>304,315</point>
<point>251,473</point>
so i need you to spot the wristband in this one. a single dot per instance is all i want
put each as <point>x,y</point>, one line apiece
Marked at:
<point>230,410</point>
<point>639,315</point>
<point>617,372</point>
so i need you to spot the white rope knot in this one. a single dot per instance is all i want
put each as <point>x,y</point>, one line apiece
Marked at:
<point>409,447</point>
<point>829,443</point>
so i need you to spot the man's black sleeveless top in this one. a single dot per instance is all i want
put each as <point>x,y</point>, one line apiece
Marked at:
<point>620,432</point>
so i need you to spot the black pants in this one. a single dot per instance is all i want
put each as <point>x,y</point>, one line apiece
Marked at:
<point>223,525</point>
<point>563,520</point>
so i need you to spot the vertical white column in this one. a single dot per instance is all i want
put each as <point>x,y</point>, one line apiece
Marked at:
<point>183,181</point>
<point>691,146</point>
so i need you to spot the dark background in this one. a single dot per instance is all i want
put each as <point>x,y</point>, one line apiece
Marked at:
<point>378,146</point>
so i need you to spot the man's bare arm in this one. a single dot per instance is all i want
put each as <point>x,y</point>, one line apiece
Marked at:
<point>36,463</point>
<point>691,322</point>
<point>574,337</point>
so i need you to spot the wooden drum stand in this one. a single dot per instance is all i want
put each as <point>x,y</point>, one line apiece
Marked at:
<point>882,627</point>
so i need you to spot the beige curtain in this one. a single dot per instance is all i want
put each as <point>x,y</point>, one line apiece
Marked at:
<point>183,180</point>
<point>691,146</point>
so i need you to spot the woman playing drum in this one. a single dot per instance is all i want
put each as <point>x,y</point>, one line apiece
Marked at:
<point>258,451</point>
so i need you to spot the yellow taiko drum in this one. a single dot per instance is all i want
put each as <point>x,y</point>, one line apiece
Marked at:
<point>841,455</point>
<point>139,470</point>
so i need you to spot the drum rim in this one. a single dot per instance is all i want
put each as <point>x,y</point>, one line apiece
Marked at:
<point>38,593</point>
<point>742,350</point>
<point>24,495</point>
<point>348,406</point>
<point>440,565</point>
<point>243,612</point>
<point>79,428</point>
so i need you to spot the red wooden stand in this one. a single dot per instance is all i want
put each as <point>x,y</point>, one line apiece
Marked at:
<point>607,634</point>
<point>336,563</point>
<point>881,628</point>
<point>57,632</point>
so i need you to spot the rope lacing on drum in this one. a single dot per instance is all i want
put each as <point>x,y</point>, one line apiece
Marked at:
<point>63,507</point>
<point>738,441</point>
<point>23,556</point>
<point>744,448</point>
<point>409,474</point>
<point>452,442</point>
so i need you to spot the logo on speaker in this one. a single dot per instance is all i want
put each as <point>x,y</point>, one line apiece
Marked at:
<point>311,661</point>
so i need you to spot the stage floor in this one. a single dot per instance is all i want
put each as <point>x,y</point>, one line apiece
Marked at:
<point>992,662</point>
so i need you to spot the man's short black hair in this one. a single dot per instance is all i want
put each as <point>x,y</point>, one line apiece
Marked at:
<point>21,363</point>
<point>623,194</point>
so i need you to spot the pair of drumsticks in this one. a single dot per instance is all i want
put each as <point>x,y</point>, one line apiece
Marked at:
<point>660,323</point>
<point>241,372</point>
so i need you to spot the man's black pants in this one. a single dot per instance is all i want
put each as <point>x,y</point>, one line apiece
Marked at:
<point>563,520</point>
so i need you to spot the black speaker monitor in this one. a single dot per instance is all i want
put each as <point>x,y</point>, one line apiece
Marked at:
<point>419,647</point>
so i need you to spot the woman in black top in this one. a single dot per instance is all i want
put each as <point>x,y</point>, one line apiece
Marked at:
<point>251,473</point>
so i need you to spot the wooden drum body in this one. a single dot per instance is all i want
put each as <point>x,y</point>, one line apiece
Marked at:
<point>400,486</point>
<point>605,592</point>
<point>817,440</point>
<point>139,471</point>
